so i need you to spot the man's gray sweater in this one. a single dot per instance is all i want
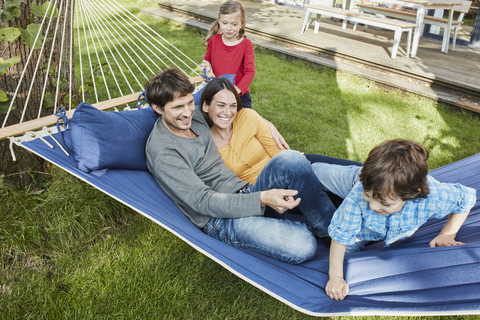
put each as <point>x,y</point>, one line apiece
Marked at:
<point>192,173</point>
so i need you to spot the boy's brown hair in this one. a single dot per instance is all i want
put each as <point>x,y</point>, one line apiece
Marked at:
<point>396,169</point>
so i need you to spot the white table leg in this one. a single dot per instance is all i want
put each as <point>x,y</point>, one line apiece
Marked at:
<point>344,6</point>
<point>409,40</point>
<point>306,21</point>
<point>448,30</point>
<point>317,23</point>
<point>444,39</point>
<point>396,42</point>
<point>418,30</point>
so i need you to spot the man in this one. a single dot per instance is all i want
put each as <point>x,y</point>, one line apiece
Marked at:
<point>185,162</point>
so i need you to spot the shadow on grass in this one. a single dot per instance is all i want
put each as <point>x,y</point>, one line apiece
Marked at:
<point>375,115</point>
<point>324,111</point>
<point>458,139</point>
<point>303,101</point>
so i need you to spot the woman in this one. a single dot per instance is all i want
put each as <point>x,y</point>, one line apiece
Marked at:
<point>242,137</point>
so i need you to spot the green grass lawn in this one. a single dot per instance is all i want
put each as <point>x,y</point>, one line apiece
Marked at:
<point>72,252</point>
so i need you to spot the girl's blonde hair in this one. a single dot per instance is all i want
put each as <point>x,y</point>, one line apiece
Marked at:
<point>228,7</point>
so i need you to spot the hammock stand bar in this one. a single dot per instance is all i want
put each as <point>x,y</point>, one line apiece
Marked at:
<point>32,125</point>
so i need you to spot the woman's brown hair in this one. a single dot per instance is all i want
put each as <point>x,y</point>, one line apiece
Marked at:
<point>211,89</point>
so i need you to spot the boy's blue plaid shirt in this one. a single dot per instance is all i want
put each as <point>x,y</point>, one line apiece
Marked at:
<point>354,218</point>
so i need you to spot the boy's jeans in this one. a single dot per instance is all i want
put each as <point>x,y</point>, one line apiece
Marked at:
<point>281,239</point>
<point>339,180</point>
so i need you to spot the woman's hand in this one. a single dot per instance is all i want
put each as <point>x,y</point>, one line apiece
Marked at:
<point>277,137</point>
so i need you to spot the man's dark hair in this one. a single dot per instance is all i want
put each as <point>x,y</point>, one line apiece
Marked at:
<point>166,86</point>
<point>396,168</point>
<point>211,89</point>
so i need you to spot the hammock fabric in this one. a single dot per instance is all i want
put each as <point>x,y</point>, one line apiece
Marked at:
<point>409,278</point>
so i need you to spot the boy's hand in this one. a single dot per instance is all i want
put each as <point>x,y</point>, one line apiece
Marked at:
<point>449,230</point>
<point>444,240</point>
<point>337,288</point>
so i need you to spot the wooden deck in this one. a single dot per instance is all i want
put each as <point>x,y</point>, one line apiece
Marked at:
<point>453,78</point>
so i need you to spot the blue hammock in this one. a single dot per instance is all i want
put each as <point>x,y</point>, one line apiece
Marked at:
<point>409,278</point>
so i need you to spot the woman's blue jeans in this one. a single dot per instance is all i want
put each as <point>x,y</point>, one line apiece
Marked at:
<point>284,240</point>
<point>339,180</point>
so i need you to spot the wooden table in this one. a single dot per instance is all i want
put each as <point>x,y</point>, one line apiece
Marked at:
<point>422,6</point>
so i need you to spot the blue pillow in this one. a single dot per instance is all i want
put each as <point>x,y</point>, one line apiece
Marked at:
<point>108,139</point>
<point>197,95</point>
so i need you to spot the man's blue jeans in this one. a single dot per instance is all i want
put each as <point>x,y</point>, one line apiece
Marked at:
<point>284,240</point>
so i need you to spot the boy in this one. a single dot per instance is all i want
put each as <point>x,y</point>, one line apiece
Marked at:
<point>388,199</point>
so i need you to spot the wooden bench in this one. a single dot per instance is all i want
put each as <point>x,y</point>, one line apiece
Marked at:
<point>357,17</point>
<point>436,21</point>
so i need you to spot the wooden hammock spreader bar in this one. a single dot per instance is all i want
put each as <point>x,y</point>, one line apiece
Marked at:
<point>21,128</point>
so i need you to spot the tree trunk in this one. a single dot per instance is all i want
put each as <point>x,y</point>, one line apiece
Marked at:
<point>10,80</point>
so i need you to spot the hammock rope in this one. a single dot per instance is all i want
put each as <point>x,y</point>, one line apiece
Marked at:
<point>120,50</point>
<point>126,52</point>
<point>61,56</point>
<point>71,57</point>
<point>96,21</point>
<point>142,36</point>
<point>38,63</point>
<point>79,44</point>
<point>158,36</point>
<point>22,75</point>
<point>138,47</point>
<point>96,54</point>
<point>48,65</point>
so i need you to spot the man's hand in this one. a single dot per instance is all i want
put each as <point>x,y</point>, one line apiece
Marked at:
<point>279,199</point>
<point>277,137</point>
<point>337,288</point>
<point>444,240</point>
<point>206,64</point>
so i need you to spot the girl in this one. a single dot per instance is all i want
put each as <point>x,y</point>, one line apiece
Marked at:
<point>229,51</point>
